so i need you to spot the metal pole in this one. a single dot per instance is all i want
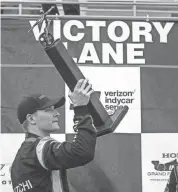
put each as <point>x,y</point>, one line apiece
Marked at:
<point>134,9</point>
<point>96,3</point>
<point>20,9</point>
<point>94,17</point>
<point>98,10</point>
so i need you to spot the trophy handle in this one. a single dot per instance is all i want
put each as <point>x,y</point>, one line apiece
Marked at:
<point>46,39</point>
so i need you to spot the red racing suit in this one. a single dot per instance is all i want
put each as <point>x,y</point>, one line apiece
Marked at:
<point>41,163</point>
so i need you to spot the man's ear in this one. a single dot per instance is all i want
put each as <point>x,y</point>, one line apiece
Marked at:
<point>31,119</point>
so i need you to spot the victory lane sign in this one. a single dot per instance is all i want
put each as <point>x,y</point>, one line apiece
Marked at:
<point>105,42</point>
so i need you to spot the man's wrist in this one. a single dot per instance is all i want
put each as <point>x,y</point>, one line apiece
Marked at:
<point>79,113</point>
<point>80,110</point>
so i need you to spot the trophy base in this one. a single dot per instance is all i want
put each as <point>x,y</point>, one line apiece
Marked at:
<point>111,124</point>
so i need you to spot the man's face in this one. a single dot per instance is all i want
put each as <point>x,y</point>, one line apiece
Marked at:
<point>47,119</point>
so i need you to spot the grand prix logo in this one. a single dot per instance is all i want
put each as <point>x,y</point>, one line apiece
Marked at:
<point>160,171</point>
<point>164,166</point>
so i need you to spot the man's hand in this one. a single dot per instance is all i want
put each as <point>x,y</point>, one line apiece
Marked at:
<point>81,94</point>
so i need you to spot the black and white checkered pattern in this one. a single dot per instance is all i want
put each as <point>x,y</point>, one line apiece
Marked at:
<point>134,156</point>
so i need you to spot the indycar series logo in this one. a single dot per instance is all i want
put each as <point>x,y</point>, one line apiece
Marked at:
<point>114,99</point>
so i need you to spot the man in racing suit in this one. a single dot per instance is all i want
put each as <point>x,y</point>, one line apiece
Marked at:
<point>41,161</point>
<point>172,185</point>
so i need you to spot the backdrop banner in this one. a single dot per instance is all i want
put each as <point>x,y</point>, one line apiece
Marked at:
<point>119,42</point>
<point>129,62</point>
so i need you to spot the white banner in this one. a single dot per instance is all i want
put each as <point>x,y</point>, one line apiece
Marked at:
<point>115,87</point>
<point>159,154</point>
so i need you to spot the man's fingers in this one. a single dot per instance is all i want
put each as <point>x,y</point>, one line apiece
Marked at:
<point>90,92</point>
<point>78,85</point>
<point>69,93</point>
<point>88,88</point>
<point>84,84</point>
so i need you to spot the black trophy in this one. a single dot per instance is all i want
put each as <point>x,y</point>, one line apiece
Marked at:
<point>70,73</point>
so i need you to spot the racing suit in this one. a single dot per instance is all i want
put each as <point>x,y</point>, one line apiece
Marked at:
<point>172,185</point>
<point>40,164</point>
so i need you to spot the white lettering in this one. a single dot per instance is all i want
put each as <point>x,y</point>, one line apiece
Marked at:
<point>16,189</point>
<point>21,189</point>
<point>138,31</point>
<point>30,184</point>
<point>96,25</point>
<point>163,31</point>
<point>65,45</point>
<point>57,29</point>
<point>67,30</point>
<point>88,54</point>
<point>132,53</point>
<point>112,31</point>
<point>24,186</point>
<point>36,30</point>
<point>109,51</point>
